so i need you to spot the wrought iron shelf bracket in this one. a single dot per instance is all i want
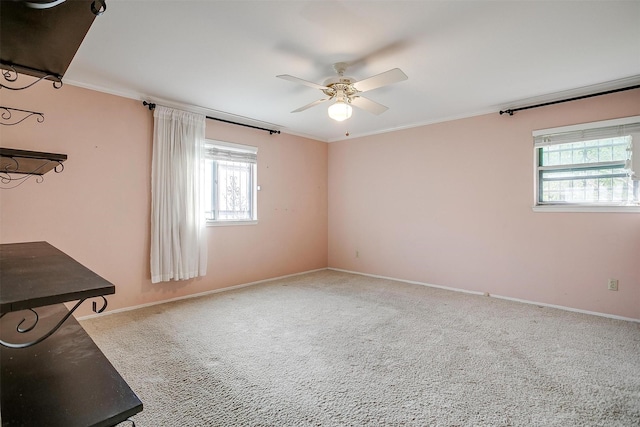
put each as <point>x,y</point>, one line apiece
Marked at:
<point>6,115</point>
<point>18,166</point>
<point>10,74</point>
<point>24,330</point>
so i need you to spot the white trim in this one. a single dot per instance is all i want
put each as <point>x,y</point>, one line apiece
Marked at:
<point>200,294</point>
<point>202,110</point>
<point>415,125</point>
<point>586,208</point>
<point>536,176</point>
<point>413,282</point>
<point>211,112</point>
<point>115,92</point>
<point>523,301</point>
<point>584,90</point>
<point>138,96</point>
<point>579,91</point>
<point>573,310</point>
<point>232,146</point>
<point>555,96</point>
<point>605,165</point>
<point>214,223</point>
<point>589,125</point>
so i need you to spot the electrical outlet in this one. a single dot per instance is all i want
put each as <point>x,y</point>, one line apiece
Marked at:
<point>613,285</point>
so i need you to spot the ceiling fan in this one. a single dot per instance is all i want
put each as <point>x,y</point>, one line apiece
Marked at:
<point>347,91</point>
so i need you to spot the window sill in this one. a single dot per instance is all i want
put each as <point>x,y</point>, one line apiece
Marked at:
<point>229,223</point>
<point>586,208</point>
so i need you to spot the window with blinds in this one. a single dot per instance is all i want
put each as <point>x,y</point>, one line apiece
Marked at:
<point>230,182</point>
<point>591,164</point>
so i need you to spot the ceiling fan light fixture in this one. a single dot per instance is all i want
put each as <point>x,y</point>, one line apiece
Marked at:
<point>340,111</point>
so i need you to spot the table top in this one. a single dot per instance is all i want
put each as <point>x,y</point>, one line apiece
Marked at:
<point>63,381</point>
<point>36,274</point>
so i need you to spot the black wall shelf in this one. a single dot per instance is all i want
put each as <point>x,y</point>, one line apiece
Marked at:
<point>29,162</point>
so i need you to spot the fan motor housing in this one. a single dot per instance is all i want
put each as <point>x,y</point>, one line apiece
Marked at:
<point>339,79</point>
<point>340,83</point>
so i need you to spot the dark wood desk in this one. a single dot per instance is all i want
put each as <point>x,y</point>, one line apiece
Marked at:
<point>64,380</point>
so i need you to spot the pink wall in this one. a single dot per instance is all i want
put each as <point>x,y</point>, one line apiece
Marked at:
<point>450,204</point>
<point>447,204</point>
<point>98,209</point>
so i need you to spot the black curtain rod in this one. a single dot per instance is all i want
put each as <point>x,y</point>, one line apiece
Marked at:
<point>271,131</point>
<point>513,110</point>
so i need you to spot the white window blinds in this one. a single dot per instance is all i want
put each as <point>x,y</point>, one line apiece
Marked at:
<point>588,131</point>
<point>227,151</point>
<point>628,126</point>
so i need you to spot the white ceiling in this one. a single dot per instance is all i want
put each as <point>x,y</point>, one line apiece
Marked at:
<point>462,57</point>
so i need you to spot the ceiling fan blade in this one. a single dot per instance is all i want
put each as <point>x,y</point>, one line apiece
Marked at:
<point>368,105</point>
<point>388,77</point>
<point>313,104</point>
<point>302,82</point>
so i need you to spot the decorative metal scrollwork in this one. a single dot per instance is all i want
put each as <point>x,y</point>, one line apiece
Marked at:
<point>22,330</point>
<point>10,75</point>
<point>6,116</point>
<point>10,181</point>
<point>30,328</point>
<point>104,305</point>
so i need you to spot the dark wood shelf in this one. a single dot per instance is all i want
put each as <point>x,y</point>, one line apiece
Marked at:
<point>61,378</point>
<point>63,381</point>
<point>53,37</point>
<point>36,274</point>
<point>28,162</point>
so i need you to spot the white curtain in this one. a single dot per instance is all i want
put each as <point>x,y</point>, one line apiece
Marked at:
<point>178,243</point>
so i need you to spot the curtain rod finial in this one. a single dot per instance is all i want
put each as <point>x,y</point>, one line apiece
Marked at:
<point>151,105</point>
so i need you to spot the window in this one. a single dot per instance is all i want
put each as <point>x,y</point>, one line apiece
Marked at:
<point>230,183</point>
<point>589,166</point>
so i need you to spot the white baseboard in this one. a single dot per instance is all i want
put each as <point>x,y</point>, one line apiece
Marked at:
<point>413,282</point>
<point>199,294</point>
<point>565,308</point>
<point>523,301</point>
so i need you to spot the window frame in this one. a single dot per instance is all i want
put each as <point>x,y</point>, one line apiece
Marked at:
<point>240,150</point>
<point>540,206</point>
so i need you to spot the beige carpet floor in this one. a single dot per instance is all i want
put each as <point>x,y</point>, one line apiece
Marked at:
<point>336,349</point>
